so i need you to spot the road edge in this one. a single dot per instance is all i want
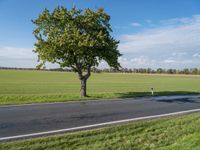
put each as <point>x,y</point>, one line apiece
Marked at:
<point>38,134</point>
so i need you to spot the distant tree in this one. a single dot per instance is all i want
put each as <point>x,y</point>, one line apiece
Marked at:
<point>149,70</point>
<point>171,71</point>
<point>186,71</point>
<point>75,38</point>
<point>125,70</point>
<point>130,70</point>
<point>194,71</point>
<point>159,70</point>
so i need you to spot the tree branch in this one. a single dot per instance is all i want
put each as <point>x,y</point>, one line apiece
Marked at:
<point>87,75</point>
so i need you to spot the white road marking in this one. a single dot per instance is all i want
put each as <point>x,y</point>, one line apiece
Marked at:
<point>96,125</point>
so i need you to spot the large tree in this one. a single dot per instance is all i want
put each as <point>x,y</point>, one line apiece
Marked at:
<point>75,38</point>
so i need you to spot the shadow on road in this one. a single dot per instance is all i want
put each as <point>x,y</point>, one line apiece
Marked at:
<point>164,93</point>
<point>180,100</point>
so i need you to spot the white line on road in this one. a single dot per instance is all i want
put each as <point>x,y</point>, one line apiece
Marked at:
<point>95,125</point>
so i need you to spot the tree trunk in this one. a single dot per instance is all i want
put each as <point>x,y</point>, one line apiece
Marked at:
<point>83,87</point>
<point>83,79</point>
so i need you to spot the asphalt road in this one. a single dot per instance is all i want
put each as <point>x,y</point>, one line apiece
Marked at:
<point>27,119</point>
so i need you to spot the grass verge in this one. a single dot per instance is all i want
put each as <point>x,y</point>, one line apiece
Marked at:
<point>179,132</point>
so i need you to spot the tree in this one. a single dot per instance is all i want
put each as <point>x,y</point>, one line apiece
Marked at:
<point>186,71</point>
<point>194,71</point>
<point>75,38</point>
<point>159,70</point>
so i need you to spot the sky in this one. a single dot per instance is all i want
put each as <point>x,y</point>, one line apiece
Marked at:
<point>152,33</point>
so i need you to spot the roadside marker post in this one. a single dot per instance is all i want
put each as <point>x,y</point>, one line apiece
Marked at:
<point>152,93</point>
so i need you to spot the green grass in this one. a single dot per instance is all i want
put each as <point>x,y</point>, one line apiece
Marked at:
<point>18,87</point>
<point>172,133</point>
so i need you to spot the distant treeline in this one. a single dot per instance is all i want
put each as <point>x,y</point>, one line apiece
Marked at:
<point>194,71</point>
<point>53,69</point>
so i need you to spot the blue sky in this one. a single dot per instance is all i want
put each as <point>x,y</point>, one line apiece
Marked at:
<point>153,33</point>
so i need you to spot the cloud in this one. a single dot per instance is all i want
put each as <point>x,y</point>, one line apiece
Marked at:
<point>20,57</point>
<point>164,37</point>
<point>176,37</point>
<point>136,24</point>
<point>179,54</point>
<point>174,62</point>
<point>196,55</point>
<point>16,53</point>
<point>124,61</point>
<point>17,57</point>
<point>136,62</point>
<point>169,60</point>
<point>175,21</point>
<point>139,60</point>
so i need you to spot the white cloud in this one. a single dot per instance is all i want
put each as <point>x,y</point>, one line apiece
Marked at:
<point>17,57</point>
<point>179,54</point>
<point>165,37</point>
<point>174,62</point>
<point>141,60</point>
<point>169,60</point>
<point>123,61</point>
<point>196,55</point>
<point>178,37</point>
<point>175,21</point>
<point>136,62</point>
<point>17,53</point>
<point>135,24</point>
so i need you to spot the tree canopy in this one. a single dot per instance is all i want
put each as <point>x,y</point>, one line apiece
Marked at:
<point>75,38</point>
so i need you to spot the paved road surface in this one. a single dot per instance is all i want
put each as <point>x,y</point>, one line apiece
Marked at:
<point>27,119</point>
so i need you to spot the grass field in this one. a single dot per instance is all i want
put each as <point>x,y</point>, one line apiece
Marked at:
<point>18,87</point>
<point>173,133</point>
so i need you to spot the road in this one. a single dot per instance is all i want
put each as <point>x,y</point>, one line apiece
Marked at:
<point>36,118</point>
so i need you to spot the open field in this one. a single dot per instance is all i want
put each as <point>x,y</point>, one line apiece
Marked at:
<point>180,132</point>
<point>18,87</point>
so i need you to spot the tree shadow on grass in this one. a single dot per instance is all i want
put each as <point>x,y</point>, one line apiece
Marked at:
<point>160,93</point>
<point>163,93</point>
